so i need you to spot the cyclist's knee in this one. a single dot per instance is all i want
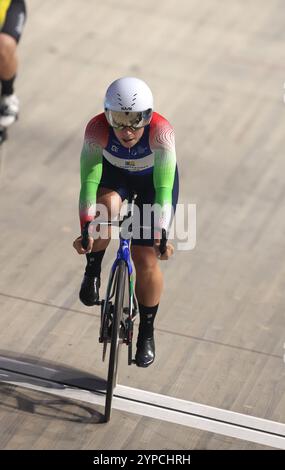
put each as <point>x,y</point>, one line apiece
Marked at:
<point>7,47</point>
<point>108,204</point>
<point>144,257</point>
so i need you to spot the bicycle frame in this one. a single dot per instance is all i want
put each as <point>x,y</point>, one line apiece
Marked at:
<point>123,254</point>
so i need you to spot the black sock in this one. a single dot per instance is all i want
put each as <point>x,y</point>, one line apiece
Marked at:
<point>147,316</point>
<point>94,261</point>
<point>7,86</point>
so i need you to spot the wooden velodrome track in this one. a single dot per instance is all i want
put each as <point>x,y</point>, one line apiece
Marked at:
<point>216,69</point>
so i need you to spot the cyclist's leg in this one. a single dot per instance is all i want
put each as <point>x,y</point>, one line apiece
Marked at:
<point>8,56</point>
<point>149,284</point>
<point>89,291</point>
<point>111,201</point>
<point>111,193</point>
<point>9,37</point>
<point>149,279</point>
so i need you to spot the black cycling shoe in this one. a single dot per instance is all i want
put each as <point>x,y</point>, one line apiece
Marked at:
<point>89,292</point>
<point>145,351</point>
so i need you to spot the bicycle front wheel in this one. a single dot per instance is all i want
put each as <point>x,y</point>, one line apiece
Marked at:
<point>115,337</point>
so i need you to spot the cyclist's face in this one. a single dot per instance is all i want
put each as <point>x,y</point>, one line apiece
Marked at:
<point>128,137</point>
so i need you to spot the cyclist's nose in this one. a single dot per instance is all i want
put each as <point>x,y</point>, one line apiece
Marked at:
<point>127,131</point>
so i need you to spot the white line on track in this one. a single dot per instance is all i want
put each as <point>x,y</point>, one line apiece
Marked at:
<point>162,407</point>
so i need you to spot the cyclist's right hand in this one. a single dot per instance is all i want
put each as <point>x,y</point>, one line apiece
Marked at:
<point>78,247</point>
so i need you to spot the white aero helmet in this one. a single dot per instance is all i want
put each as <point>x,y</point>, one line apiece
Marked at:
<point>128,103</point>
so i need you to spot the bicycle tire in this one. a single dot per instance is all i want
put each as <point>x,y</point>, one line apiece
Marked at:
<point>115,337</point>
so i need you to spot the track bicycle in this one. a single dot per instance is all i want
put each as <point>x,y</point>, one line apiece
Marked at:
<point>119,308</point>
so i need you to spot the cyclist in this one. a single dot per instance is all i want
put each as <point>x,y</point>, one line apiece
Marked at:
<point>12,19</point>
<point>129,147</point>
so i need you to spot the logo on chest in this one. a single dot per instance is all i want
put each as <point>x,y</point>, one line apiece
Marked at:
<point>115,149</point>
<point>130,164</point>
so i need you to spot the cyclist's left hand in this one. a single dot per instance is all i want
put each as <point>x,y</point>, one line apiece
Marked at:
<point>168,253</point>
<point>79,248</point>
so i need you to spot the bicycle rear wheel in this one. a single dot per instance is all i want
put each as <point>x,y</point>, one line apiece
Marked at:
<point>115,337</point>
